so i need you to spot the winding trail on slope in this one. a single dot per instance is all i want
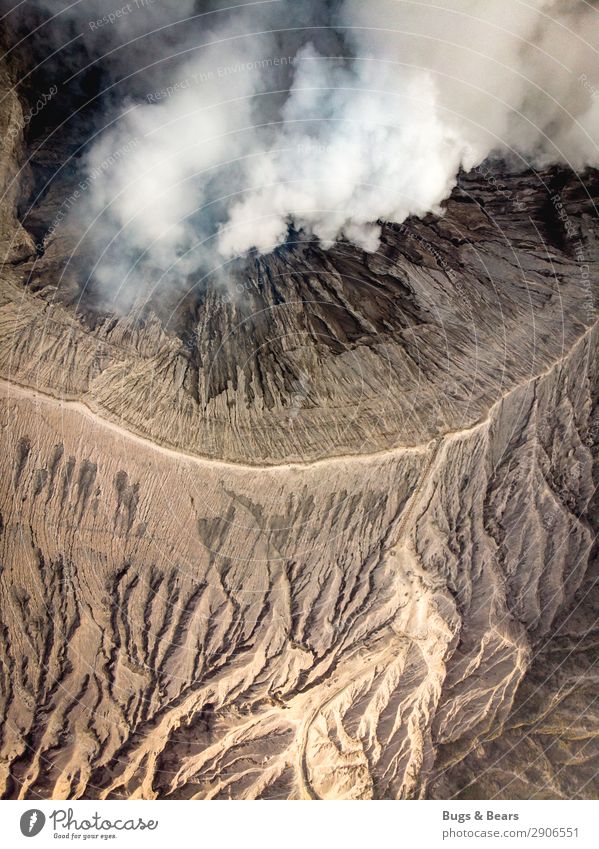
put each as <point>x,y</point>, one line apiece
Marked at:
<point>80,405</point>
<point>306,785</point>
<point>402,529</point>
<point>33,396</point>
<point>415,496</point>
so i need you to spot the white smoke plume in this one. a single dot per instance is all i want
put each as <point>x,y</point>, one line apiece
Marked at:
<point>332,121</point>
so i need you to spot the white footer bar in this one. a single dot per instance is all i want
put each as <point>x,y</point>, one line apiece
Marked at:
<point>261,825</point>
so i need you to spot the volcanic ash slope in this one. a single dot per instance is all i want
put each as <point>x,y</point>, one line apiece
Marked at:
<point>180,627</point>
<point>331,539</point>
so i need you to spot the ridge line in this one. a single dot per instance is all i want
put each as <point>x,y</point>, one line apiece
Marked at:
<point>81,406</point>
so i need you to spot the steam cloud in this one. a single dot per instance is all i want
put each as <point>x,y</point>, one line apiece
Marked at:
<point>330,118</point>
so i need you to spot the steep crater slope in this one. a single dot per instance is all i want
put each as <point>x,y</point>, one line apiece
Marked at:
<point>304,353</point>
<point>317,540</point>
<point>309,353</point>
